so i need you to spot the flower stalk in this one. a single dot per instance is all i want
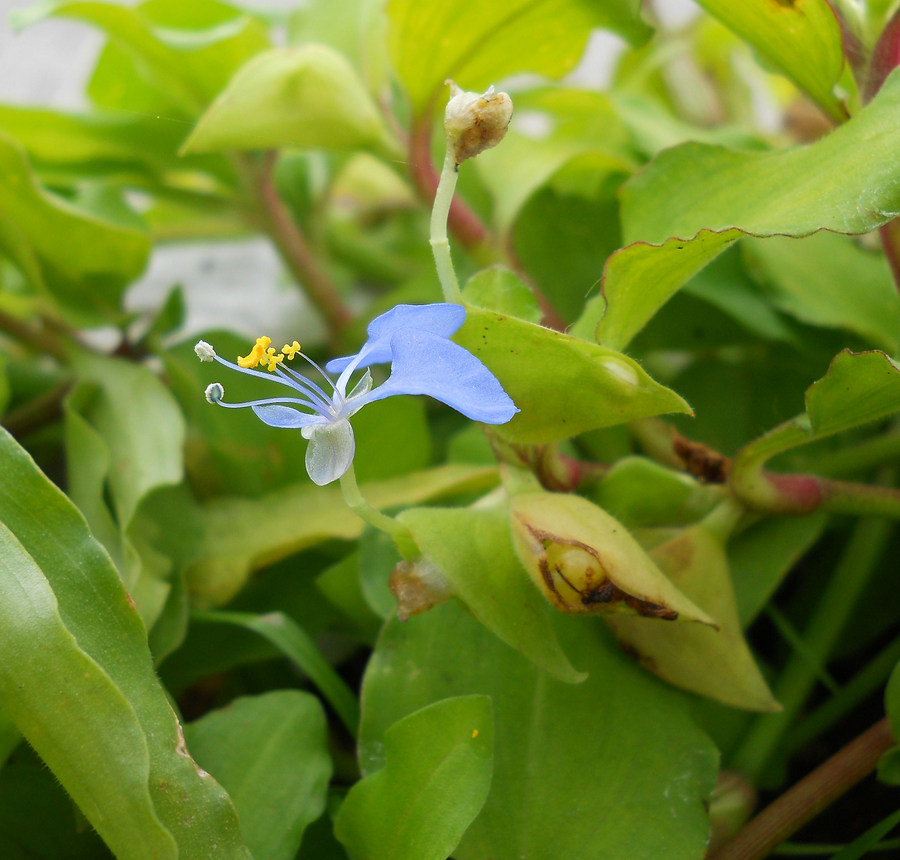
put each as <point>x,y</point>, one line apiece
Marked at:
<point>402,537</point>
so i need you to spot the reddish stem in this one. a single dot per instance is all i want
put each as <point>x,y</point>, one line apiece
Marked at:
<point>814,793</point>
<point>295,250</point>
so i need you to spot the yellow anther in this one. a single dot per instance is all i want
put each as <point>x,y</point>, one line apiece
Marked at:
<point>271,358</point>
<point>256,355</point>
<point>290,350</point>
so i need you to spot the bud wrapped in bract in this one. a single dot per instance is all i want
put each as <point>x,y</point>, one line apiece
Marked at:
<point>585,561</point>
<point>473,122</point>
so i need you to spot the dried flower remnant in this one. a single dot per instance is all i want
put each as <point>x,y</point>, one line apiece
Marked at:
<point>473,122</point>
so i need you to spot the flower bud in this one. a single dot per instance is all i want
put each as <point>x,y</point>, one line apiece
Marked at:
<point>473,122</point>
<point>585,561</point>
<point>417,586</point>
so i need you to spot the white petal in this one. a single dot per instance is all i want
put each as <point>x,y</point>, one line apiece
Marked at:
<point>330,451</point>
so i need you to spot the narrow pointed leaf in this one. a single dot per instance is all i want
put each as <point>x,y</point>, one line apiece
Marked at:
<point>82,260</point>
<point>97,614</point>
<point>242,534</point>
<point>722,194</point>
<point>70,710</point>
<point>714,663</point>
<point>303,97</point>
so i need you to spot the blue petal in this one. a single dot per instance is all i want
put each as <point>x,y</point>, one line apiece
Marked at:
<point>441,319</point>
<point>426,363</point>
<point>330,452</point>
<point>284,416</point>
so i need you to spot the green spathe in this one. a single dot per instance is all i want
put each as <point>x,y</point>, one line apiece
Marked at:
<point>714,663</point>
<point>303,97</point>
<point>585,561</point>
<point>562,385</point>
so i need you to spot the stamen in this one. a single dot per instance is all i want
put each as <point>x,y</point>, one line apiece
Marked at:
<point>290,350</point>
<point>271,358</point>
<point>256,354</point>
<point>204,351</point>
<point>214,391</point>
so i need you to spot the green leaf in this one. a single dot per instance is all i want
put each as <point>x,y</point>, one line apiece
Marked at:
<point>303,97</point>
<point>473,550</point>
<point>297,645</point>
<point>712,662</point>
<point>828,280</point>
<point>102,143</point>
<point>557,125</point>
<point>563,753</point>
<point>500,289</point>
<point>436,777</point>
<point>241,535</point>
<point>641,492</point>
<point>100,753</point>
<point>480,44</point>
<point>802,38</point>
<point>164,54</point>
<point>83,260</point>
<point>638,279</point>
<point>144,455</point>
<point>858,388</point>
<point>82,649</point>
<point>563,238</point>
<point>722,194</point>
<point>37,819</point>
<point>270,752</point>
<point>562,385</point>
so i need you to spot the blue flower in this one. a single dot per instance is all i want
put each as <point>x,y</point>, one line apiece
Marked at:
<point>413,338</point>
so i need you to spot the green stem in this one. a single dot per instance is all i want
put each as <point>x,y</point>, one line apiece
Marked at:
<point>440,244</point>
<point>854,569</point>
<point>773,493</point>
<point>404,540</point>
<point>815,792</point>
<point>867,455</point>
<point>41,337</point>
<point>37,413</point>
